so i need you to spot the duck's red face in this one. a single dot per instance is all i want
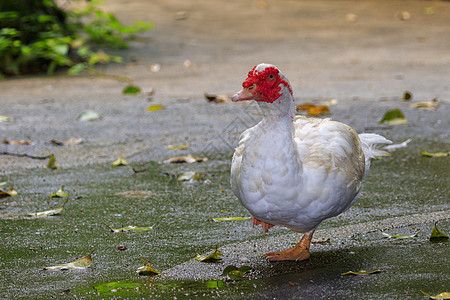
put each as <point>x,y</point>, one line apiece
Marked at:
<point>264,85</point>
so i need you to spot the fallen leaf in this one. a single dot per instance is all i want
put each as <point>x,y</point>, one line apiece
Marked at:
<point>320,240</point>
<point>189,176</point>
<point>394,147</point>
<point>80,263</point>
<point>135,194</point>
<point>131,90</point>
<point>403,16</point>
<point>331,102</point>
<point>187,64</point>
<point>407,96</point>
<point>213,257</point>
<point>305,106</point>
<point>436,154</point>
<point>361,272</point>
<point>51,212</point>
<point>426,105</point>
<point>230,219</point>
<point>394,117</point>
<point>180,15</point>
<point>59,193</point>
<point>154,107</point>
<point>11,191</point>
<point>217,98</point>
<point>52,162</point>
<point>128,228</point>
<point>147,270</point>
<point>437,235</point>
<point>155,68</point>
<point>399,236</point>
<point>185,159</point>
<point>429,10</point>
<point>70,142</point>
<point>119,162</point>
<point>17,143</point>
<point>122,248</point>
<point>181,147</point>
<point>230,268</point>
<point>6,119</point>
<point>351,18</point>
<point>444,295</point>
<point>88,115</point>
<point>319,110</point>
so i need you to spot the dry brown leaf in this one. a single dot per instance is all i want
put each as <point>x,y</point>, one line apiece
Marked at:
<point>217,98</point>
<point>185,159</point>
<point>319,110</point>
<point>21,142</point>
<point>305,106</point>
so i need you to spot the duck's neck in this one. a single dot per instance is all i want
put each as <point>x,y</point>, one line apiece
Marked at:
<point>281,108</point>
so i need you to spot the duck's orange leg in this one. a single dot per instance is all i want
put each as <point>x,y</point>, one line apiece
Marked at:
<point>265,226</point>
<point>296,253</point>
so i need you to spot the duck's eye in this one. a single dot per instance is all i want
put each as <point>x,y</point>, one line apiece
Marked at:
<point>271,77</point>
<point>251,87</point>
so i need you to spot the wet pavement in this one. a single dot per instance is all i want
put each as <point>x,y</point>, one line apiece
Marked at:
<point>366,66</point>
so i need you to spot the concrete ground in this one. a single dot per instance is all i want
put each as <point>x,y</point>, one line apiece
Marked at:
<point>365,54</point>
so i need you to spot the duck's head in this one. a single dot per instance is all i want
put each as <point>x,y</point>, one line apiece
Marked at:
<point>266,85</point>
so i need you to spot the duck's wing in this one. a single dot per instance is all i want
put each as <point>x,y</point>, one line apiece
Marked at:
<point>332,158</point>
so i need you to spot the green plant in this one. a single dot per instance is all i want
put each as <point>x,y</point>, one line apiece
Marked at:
<point>38,35</point>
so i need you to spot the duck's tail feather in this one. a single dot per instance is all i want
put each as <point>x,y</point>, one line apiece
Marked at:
<point>369,144</point>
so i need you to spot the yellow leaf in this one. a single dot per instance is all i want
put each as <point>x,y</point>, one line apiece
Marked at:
<point>154,107</point>
<point>444,295</point>
<point>147,270</point>
<point>181,147</point>
<point>80,263</point>
<point>119,162</point>
<point>436,154</point>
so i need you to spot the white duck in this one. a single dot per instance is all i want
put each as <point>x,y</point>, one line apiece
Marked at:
<point>294,171</point>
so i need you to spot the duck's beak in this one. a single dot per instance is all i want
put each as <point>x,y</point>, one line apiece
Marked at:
<point>242,95</point>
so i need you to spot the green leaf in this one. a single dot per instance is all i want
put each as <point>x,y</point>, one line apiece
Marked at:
<point>361,272</point>
<point>81,263</point>
<point>228,269</point>
<point>436,154</point>
<point>52,162</point>
<point>230,219</point>
<point>88,115</point>
<point>235,275</point>
<point>394,117</point>
<point>213,257</point>
<point>437,235</point>
<point>444,295</point>
<point>76,69</point>
<point>242,269</point>
<point>119,162</point>
<point>147,270</point>
<point>59,193</point>
<point>128,228</point>
<point>50,212</point>
<point>131,90</point>
<point>399,236</point>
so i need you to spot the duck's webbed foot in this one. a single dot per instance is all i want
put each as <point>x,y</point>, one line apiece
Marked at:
<point>296,253</point>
